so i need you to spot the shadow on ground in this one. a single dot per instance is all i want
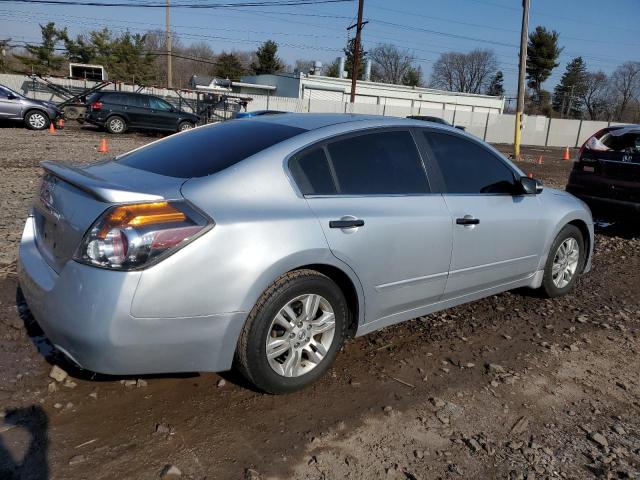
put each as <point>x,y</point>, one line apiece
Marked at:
<point>34,464</point>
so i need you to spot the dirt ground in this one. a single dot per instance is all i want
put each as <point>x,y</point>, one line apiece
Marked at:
<point>513,386</point>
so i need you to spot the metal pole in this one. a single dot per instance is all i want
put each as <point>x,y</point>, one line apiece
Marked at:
<point>169,46</point>
<point>524,34</point>
<point>356,52</point>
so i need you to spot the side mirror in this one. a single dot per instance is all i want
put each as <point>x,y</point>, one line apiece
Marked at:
<point>530,186</point>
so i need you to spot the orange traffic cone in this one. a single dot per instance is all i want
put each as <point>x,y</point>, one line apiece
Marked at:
<point>52,129</point>
<point>540,160</point>
<point>103,148</point>
<point>565,155</point>
<point>61,123</point>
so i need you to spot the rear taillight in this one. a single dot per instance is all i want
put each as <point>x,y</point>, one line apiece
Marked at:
<point>128,237</point>
<point>96,105</point>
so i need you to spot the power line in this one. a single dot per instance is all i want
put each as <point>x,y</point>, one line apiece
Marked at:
<point>506,66</point>
<point>265,3</point>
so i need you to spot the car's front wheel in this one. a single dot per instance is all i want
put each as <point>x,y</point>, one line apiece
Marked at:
<point>293,333</point>
<point>37,120</point>
<point>184,126</point>
<point>116,125</point>
<point>564,262</point>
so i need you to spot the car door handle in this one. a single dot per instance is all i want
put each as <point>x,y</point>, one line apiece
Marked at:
<point>346,223</point>
<point>467,220</point>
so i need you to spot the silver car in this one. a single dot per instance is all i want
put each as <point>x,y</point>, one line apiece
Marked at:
<point>36,114</point>
<point>264,242</point>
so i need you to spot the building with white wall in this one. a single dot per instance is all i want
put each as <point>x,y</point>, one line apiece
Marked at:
<point>316,87</point>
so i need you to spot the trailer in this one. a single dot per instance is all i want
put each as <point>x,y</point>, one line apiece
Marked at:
<point>73,107</point>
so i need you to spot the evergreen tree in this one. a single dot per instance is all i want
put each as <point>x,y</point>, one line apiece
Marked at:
<point>267,59</point>
<point>42,59</point>
<point>568,93</point>
<point>80,50</point>
<point>413,77</point>
<point>496,87</point>
<point>333,69</point>
<point>228,65</point>
<point>349,52</point>
<point>542,56</point>
<point>128,60</point>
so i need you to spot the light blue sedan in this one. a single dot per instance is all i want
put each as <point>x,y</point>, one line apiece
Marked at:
<point>263,243</point>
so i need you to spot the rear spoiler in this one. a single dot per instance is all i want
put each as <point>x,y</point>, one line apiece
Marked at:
<point>94,186</point>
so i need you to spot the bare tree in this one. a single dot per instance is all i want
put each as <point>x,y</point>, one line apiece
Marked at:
<point>464,72</point>
<point>390,64</point>
<point>594,96</point>
<point>625,85</point>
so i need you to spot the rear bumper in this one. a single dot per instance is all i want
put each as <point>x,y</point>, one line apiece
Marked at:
<point>85,313</point>
<point>601,204</point>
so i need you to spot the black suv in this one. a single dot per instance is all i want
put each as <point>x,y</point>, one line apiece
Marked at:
<point>606,174</point>
<point>120,111</point>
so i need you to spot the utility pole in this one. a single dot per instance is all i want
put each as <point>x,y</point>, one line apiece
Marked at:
<point>356,51</point>
<point>524,35</point>
<point>570,101</point>
<point>169,46</point>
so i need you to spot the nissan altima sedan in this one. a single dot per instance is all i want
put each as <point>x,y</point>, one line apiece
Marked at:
<point>261,243</point>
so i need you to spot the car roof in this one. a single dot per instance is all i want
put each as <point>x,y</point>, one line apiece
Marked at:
<point>314,121</point>
<point>116,92</point>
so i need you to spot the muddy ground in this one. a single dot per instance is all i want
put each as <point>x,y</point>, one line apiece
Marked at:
<point>513,386</point>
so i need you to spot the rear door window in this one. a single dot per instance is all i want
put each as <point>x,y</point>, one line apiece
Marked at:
<point>139,101</point>
<point>380,163</point>
<point>467,167</point>
<point>312,173</point>
<point>207,150</point>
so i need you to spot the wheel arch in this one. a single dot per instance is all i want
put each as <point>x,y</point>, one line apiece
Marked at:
<point>348,288</point>
<point>586,235</point>
<point>36,109</point>
<point>123,116</point>
<point>325,263</point>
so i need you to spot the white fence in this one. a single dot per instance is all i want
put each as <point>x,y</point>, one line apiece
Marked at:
<point>492,127</point>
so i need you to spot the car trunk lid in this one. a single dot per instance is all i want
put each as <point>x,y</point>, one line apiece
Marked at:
<point>613,157</point>
<point>72,198</point>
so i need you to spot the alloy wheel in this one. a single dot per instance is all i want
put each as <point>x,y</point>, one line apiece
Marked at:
<point>37,121</point>
<point>300,335</point>
<point>116,125</point>
<point>565,262</point>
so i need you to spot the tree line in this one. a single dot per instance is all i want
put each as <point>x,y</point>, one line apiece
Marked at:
<point>141,58</point>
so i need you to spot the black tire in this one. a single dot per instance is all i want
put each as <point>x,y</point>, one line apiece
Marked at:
<point>116,125</point>
<point>186,125</point>
<point>549,287</point>
<point>37,120</point>
<point>251,357</point>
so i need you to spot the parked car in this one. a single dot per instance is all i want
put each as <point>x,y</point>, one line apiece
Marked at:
<point>257,113</point>
<point>36,114</point>
<point>606,174</point>
<point>262,243</point>
<point>441,121</point>
<point>121,111</point>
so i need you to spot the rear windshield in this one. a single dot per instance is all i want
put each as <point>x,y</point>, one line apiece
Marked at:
<point>623,140</point>
<point>208,150</point>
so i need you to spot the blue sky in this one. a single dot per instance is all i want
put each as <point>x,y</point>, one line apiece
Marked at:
<point>605,34</point>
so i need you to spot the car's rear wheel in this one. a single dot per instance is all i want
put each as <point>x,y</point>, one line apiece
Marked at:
<point>116,125</point>
<point>293,333</point>
<point>37,120</point>
<point>564,262</point>
<point>185,126</point>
